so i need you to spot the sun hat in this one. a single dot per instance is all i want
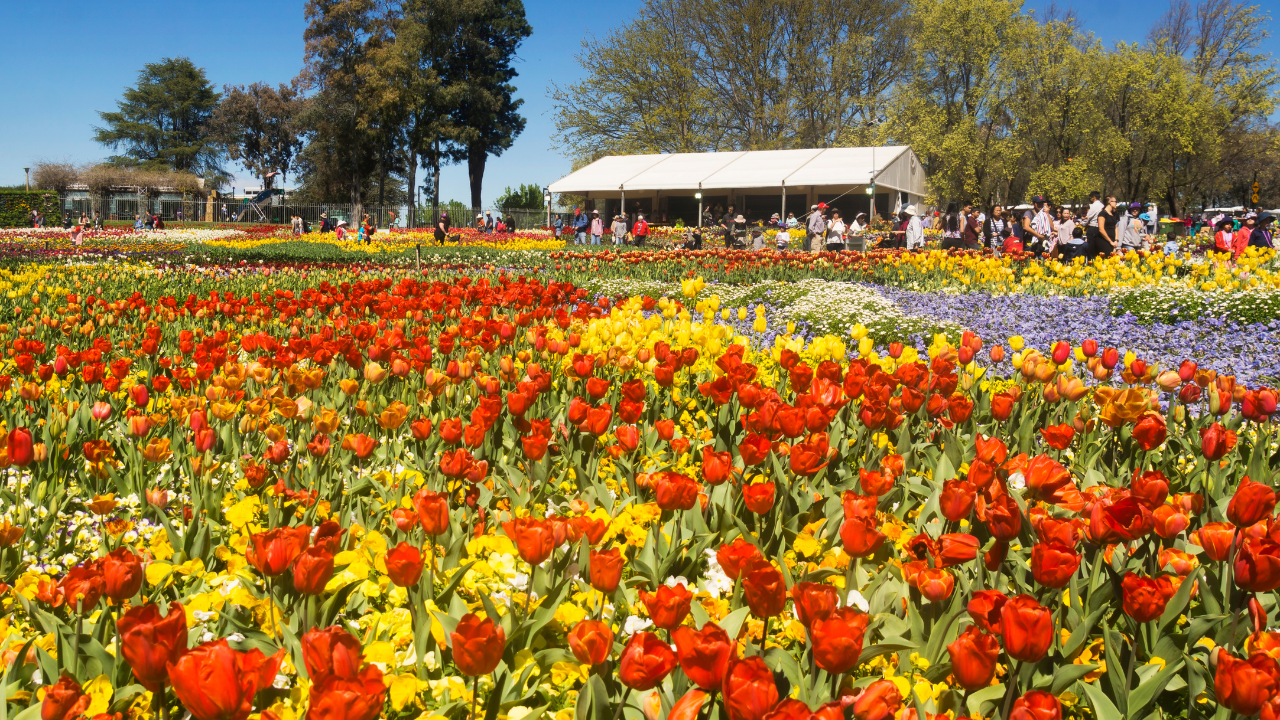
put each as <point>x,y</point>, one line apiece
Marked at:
<point>739,219</point>
<point>1250,215</point>
<point>814,207</point>
<point>911,210</point>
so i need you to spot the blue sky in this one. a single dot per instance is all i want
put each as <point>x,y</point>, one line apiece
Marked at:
<point>86,53</point>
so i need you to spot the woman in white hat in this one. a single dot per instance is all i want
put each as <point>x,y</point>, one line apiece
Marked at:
<point>914,231</point>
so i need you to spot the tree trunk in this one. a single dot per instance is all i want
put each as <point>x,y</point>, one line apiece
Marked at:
<point>413,190</point>
<point>357,205</point>
<point>476,157</point>
<point>435,186</point>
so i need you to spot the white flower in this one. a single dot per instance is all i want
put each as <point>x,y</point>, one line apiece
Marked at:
<point>235,638</point>
<point>856,600</point>
<point>676,580</point>
<point>281,682</point>
<point>1017,481</point>
<point>635,624</point>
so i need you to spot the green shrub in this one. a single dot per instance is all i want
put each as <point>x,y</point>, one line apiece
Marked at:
<point>16,207</point>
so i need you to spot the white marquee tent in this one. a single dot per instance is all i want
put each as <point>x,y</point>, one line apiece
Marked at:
<point>758,182</point>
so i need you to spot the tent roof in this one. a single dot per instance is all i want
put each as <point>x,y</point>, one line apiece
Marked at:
<point>733,170</point>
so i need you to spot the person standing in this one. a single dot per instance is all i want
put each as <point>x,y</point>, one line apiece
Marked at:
<point>792,223</point>
<point>1153,219</point>
<point>1069,246</point>
<point>817,228</point>
<point>1108,219</point>
<point>1129,229</point>
<point>442,227</point>
<point>952,228</point>
<point>914,230</point>
<point>1223,236</point>
<point>640,231</point>
<point>728,227</point>
<point>597,227</point>
<point>995,229</point>
<point>835,232</point>
<point>1036,226</point>
<point>1261,235</point>
<point>1092,240</point>
<point>97,220</point>
<point>619,228</point>
<point>580,224</point>
<point>557,226</point>
<point>1244,233</point>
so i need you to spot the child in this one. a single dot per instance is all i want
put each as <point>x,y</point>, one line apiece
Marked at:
<point>757,239</point>
<point>1012,244</point>
<point>619,228</point>
<point>1171,245</point>
<point>783,238</point>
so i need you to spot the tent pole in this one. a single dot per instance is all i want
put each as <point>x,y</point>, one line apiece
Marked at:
<point>622,203</point>
<point>782,217</point>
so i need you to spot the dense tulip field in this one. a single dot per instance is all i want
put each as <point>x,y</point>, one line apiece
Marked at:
<point>502,482</point>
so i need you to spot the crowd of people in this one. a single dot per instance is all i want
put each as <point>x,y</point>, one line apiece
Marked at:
<point>589,228</point>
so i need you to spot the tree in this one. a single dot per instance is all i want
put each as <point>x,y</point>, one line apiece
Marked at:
<point>485,114</point>
<point>528,197</point>
<point>163,122</point>
<point>343,135</point>
<point>752,74</point>
<point>258,127</point>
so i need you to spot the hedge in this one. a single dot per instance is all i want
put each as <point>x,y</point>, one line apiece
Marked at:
<point>16,207</point>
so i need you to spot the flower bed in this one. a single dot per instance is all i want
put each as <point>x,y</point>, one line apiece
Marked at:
<point>292,488</point>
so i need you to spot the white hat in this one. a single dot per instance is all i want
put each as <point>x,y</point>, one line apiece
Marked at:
<point>911,210</point>
<point>813,207</point>
<point>639,216</point>
<point>479,216</point>
<point>342,222</point>
<point>739,219</point>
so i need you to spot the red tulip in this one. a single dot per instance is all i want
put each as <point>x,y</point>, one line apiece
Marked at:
<point>606,570</point>
<point>313,570</point>
<point>534,538</point>
<point>765,589</point>
<point>404,565</point>
<point>1125,520</point>
<point>591,642</point>
<point>1036,705</point>
<point>973,658</point>
<point>359,698</point>
<point>214,682</point>
<point>956,549</point>
<point>21,449</point>
<point>1150,431</point>
<point>749,689</point>
<point>150,642</point>
<point>331,652</point>
<point>754,449</point>
<point>736,555</point>
<point>1053,564</point>
<point>956,501</point>
<point>1252,502</point>
<point>704,654</point>
<point>879,701</point>
<point>814,601</point>
<point>433,511</point>
<point>1257,565</point>
<point>64,700</point>
<point>1216,539</point>
<point>1245,685</point>
<point>121,574</point>
<point>1058,437</point>
<point>1150,488</point>
<point>1027,628</point>
<point>645,661</point>
<point>759,497</point>
<point>669,606</point>
<point>1216,441</point>
<point>272,552</point>
<point>810,456</point>
<point>837,640</point>
<point>716,466</point>
<point>1145,598</point>
<point>477,645</point>
<point>860,536</point>
<point>986,608</point>
<point>674,491</point>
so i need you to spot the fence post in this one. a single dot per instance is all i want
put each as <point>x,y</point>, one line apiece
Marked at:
<point>417,257</point>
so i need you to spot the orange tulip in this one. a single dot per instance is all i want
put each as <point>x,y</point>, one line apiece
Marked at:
<point>214,682</point>
<point>477,645</point>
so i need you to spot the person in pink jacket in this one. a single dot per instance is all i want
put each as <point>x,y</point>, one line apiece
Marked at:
<point>1242,235</point>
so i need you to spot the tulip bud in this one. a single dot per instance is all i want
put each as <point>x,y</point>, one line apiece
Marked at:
<point>1110,358</point>
<point>1061,351</point>
<point>1168,380</point>
<point>101,411</point>
<point>1090,347</point>
<point>997,354</point>
<point>1187,371</point>
<point>1138,367</point>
